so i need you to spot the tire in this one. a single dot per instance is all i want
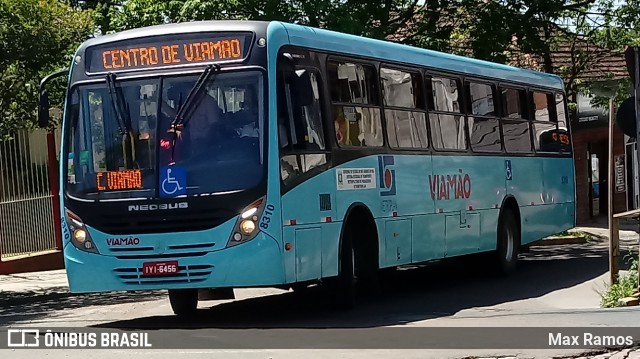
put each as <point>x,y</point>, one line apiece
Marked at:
<point>184,302</point>
<point>508,243</point>
<point>343,287</point>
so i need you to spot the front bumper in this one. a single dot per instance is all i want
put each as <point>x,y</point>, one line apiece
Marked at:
<point>255,263</point>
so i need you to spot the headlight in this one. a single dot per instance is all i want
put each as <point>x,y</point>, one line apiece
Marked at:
<point>246,227</point>
<point>80,237</point>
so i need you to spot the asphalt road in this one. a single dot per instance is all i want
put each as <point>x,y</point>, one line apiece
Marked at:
<point>555,286</point>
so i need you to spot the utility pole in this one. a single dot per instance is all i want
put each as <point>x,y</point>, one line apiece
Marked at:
<point>614,250</point>
<point>636,93</point>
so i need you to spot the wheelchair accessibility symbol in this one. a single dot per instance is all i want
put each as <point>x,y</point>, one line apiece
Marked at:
<point>173,181</point>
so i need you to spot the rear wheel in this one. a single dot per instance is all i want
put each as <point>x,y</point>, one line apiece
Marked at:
<point>508,243</point>
<point>184,302</point>
<point>343,287</point>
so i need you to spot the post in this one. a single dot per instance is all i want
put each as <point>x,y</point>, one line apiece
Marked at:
<point>636,93</point>
<point>614,251</point>
<point>54,187</point>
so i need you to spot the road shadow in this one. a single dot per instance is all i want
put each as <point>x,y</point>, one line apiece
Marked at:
<point>33,305</point>
<point>416,294</point>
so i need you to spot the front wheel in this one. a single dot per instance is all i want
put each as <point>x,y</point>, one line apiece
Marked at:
<point>342,287</point>
<point>184,302</point>
<point>508,243</point>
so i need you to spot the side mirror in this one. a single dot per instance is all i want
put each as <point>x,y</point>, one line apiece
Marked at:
<point>43,103</point>
<point>43,110</point>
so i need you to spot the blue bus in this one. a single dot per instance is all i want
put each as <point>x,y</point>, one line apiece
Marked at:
<point>229,154</point>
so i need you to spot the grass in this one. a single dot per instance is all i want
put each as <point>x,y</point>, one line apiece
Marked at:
<point>626,286</point>
<point>564,234</point>
<point>578,234</point>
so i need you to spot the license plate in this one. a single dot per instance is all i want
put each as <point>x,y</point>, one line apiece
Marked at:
<point>159,268</point>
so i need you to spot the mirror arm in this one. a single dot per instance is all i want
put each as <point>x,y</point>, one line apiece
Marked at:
<point>43,106</point>
<point>52,76</point>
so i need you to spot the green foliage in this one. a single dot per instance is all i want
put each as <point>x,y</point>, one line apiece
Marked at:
<point>368,18</point>
<point>36,38</point>
<point>39,36</point>
<point>563,234</point>
<point>620,93</point>
<point>627,17</point>
<point>626,286</point>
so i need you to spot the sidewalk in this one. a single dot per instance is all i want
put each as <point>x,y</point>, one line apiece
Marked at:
<point>598,230</point>
<point>34,282</point>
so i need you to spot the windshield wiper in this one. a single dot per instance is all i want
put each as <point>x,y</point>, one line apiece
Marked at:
<point>190,101</point>
<point>180,120</point>
<point>119,106</point>
<point>123,117</point>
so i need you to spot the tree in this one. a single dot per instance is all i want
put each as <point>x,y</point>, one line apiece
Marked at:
<point>102,11</point>
<point>377,19</point>
<point>36,37</point>
<point>521,32</point>
<point>627,19</point>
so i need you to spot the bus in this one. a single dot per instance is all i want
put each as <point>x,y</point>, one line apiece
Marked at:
<point>231,154</point>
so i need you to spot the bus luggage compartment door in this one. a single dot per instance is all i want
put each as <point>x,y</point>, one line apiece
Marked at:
<point>462,234</point>
<point>398,241</point>
<point>308,247</point>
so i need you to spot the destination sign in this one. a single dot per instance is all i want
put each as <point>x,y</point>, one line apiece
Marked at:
<point>555,140</point>
<point>559,135</point>
<point>119,180</point>
<point>165,51</point>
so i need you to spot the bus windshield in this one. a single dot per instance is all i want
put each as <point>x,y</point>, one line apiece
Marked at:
<point>121,145</point>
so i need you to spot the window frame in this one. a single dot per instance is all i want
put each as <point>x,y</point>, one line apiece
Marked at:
<point>323,114</point>
<point>527,107</point>
<point>567,119</point>
<point>423,97</point>
<point>553,116</point>
<point>332,104</point>
<point>497,105</point>
<point>429,101</point>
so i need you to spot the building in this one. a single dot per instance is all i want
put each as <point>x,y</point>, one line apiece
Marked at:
<point>585,65</point>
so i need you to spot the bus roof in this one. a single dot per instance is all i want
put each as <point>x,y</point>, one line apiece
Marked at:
<point>385,50</point>
<point>350,44</point>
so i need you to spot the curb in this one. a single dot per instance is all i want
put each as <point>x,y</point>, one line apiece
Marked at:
<point>554,241</point>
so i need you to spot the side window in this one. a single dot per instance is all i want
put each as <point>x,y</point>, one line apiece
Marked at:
<point>302,108</point>
<point>515,121</point>
<point>563,127</point>
<point>300,122</point>
<point>358,126</point>
<point>401,89</point>
<point>514,103</point>
<point>544,124</point>
<point>541,108</point>
<point>560,110</point>
<point>354,94</point>
<point>353,83</point>
<point>445,113</point>
<point>484,126</point>
<point>406,119</point>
